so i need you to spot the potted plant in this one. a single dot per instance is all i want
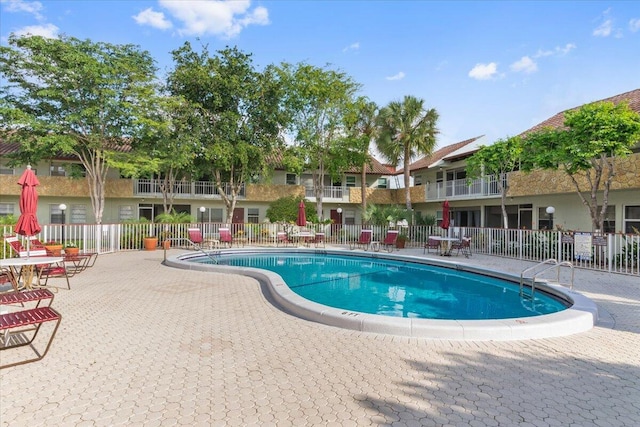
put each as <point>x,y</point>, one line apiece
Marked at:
<point>71,249</point>
<point>53,248</point>
<point>402,238</point>
<point>167,219</point>
<point>150,243</point>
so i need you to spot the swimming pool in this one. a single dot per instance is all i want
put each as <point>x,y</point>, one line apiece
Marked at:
<point>362,298</point>
<point>398,288</point>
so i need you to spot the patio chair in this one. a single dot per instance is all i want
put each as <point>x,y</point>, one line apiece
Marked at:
<point>54,271</point>
<point>35,247</point>
<point>463,246</point>
<point>363,241</point>
<point>225,236</point>
<point>431,244</point>
<point>20,329</point>
<point>282,238</point>
<point>318,239</point>
<point>198,241</point>
<point>389,241</point>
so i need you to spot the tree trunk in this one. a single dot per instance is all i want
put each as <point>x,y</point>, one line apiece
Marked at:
<point>363,187</point>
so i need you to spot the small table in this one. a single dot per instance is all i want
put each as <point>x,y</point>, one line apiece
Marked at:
<point>445,244</point>
<point>304,237</point>
<point>26,267</point>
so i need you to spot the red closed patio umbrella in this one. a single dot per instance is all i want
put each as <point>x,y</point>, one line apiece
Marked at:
<point>302,215</point>
<point>445,215</point>
<point>27,224</point>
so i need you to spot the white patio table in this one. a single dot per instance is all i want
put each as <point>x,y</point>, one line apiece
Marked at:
<point>24,267</point>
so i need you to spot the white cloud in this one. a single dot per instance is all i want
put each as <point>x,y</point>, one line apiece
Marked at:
<point>484,71</point>
<point>48,31</point>
<point>215,17</point>
<point>398,76</point>
<point>33,7</point>
<point>525,64</point>
<point>352,46</point>
<point>604,29</point>
<point>558,50</point>
<point>634,25</point>
<point>153,19</point>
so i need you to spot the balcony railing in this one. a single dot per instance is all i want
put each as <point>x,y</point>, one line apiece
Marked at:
<point>183,189</point>
<point>329,192</point>
<point>463,189</point>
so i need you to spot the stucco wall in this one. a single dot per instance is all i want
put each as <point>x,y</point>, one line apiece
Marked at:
<point>554,182</point>
<point>270,192</point>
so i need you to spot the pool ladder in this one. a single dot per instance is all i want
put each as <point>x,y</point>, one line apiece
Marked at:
<point>549,264</point>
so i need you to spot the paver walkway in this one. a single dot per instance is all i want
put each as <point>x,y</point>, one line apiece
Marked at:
<point>142,344</point>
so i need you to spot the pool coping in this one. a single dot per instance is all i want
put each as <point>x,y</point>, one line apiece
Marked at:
<point>580,317</point>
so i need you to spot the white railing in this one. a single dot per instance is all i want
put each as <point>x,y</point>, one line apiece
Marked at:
<point>616,253</point>
<point>463,189</point>
<point>329,192</point>
<point>183,189</point>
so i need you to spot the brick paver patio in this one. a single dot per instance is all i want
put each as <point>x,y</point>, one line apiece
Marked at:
<point>142,344</point>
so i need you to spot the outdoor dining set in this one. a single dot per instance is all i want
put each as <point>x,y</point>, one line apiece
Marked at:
<point>28,282</point>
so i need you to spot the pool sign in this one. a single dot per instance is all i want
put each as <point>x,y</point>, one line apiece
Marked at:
<point>582,246</point>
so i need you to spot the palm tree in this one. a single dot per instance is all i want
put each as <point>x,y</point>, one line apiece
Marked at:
<point>406,130</point>
<point>364,130</point>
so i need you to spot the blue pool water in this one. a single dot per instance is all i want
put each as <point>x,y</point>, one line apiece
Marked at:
<point>397,288</point>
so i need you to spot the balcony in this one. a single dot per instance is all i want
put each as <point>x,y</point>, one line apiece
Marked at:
<point>182,189</point>
<point>463,189</point>
<point>329,193</point>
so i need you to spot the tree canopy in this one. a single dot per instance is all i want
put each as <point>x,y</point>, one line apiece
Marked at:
<point>586,148</point>
<point>74,97</point>
<point>497,160</point>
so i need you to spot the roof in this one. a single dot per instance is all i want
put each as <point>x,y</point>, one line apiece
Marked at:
<point>449,153</point>
<point>632,97</point>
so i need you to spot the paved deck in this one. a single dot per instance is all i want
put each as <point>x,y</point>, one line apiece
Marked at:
<point>141,344</point>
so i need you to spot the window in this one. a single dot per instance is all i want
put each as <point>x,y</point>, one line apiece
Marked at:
<point>349,217</point>
<point>55,214</point>
<point>417,180</point>
<point>350,181</point>
<point>631,219</point>
<point>57,169</point>
<point>253,216</point>
<point>6,170</point>
<point>77,214</point>
<point>545,221</point>
<point>609,219</point>
<point>125,213</point>
<point>7,209</point>
<point>382,183</point>
<point>215,215</point>
<point>292,179</point>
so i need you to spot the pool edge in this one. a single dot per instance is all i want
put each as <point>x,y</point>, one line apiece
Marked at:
<point>580,317</point>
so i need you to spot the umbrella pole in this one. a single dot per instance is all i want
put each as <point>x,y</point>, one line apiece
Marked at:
<point>28,246</point>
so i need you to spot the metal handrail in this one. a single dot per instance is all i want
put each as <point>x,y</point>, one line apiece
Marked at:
<point>192,243</point>
<point>555,264</point>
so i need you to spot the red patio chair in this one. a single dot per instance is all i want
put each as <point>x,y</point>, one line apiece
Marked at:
<point>463,246</point>
<point>431,244</point>
<point>318,240</point>
<point>282,238</point>
<point>389,241</point>
<point>364,241</point>
<point>225,236</point>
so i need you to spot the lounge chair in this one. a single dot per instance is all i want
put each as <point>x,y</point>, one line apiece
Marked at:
<point>35,248</point>
<point>389,241</point>
<point>20,329</point>
<point>225,236</point>
<point>364,241</point>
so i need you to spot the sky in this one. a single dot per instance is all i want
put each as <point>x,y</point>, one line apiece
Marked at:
<point>492,68</point>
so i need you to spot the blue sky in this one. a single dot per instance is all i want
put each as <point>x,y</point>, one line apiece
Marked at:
<point>490,68</point>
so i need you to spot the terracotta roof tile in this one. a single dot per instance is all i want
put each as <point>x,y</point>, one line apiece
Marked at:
<point>632,97</point>
<point>440,154</point>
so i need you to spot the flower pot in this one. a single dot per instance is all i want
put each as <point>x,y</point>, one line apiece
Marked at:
<point>400,243</point>
<point>71,251</point>
<point>150,243</point>
<point>53,250</point>
<point>166,244</point>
